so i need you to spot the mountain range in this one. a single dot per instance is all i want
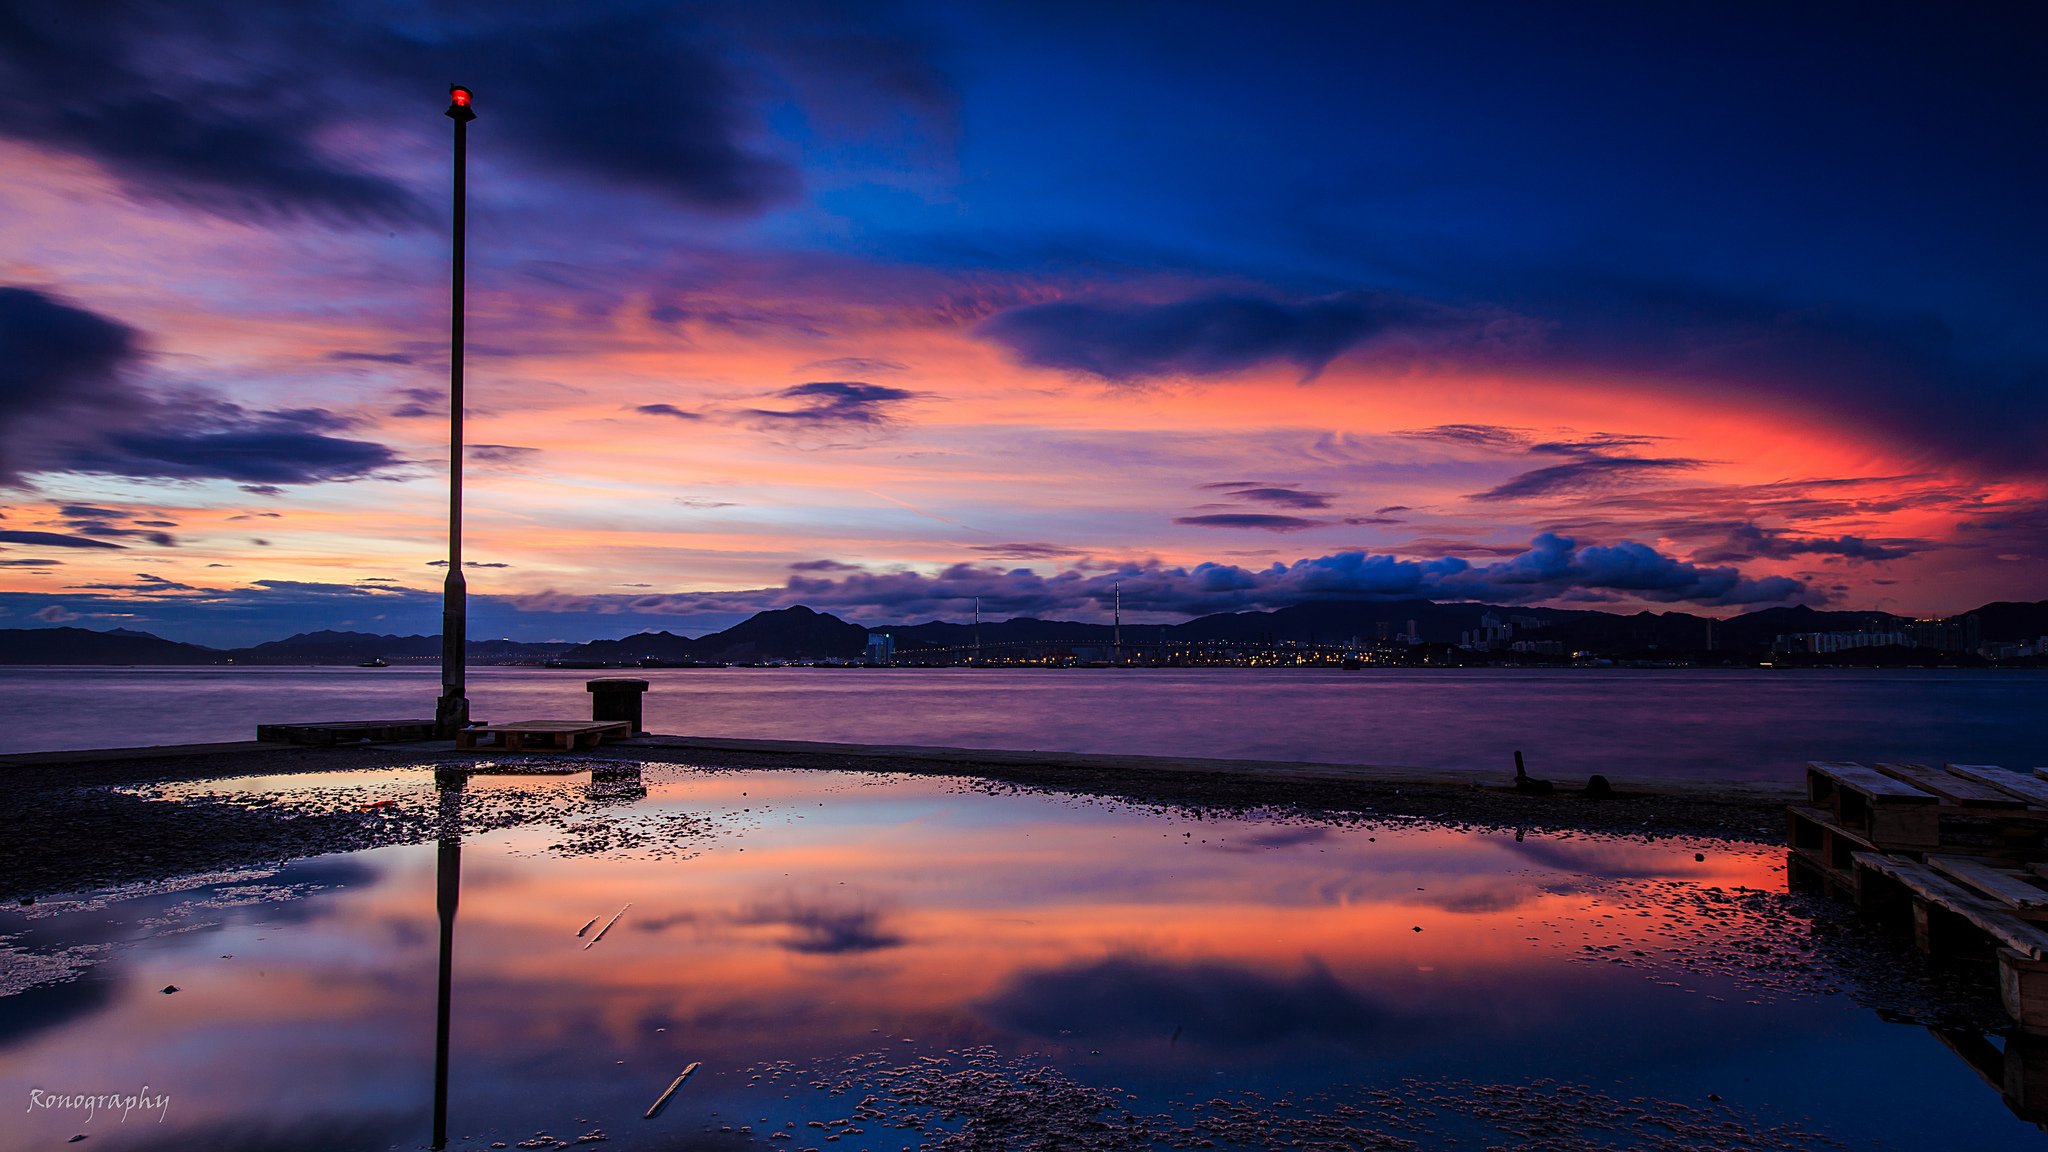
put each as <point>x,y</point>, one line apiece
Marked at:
<point>800,633</point>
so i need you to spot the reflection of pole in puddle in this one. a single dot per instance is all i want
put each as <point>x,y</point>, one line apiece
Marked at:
<point>447,887</point>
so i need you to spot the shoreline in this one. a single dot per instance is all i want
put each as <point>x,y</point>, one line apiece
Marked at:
<point>65,827</point>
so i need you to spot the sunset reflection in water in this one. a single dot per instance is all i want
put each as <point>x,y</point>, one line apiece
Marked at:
<point>811,917</point>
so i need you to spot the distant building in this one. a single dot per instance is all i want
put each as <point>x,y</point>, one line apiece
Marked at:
<point>1824,643</point>
<point>1492,633</point>
<point>881,648</point>
<point>1955,634</point>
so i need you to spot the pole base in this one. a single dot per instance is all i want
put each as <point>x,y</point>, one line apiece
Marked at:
<point>451,715</point>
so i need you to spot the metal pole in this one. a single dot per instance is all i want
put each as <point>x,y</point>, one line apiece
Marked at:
<point>451,714</point>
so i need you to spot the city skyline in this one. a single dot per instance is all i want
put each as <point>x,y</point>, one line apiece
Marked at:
<point>883,312</point>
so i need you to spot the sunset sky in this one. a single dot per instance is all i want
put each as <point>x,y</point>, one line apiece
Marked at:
<point>882,307</point>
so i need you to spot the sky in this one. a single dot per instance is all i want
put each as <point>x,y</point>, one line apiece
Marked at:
<point>882,308</point>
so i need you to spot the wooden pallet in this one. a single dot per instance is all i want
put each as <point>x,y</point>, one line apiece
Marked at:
<point>555,735</point>
<point>1913,808</point>
<point>1968,908</point>
<point>1957,855</point>
<point>1886,811</point>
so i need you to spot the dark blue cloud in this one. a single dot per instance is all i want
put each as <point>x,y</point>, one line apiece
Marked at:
<point>57,360</point>
<point>228,443</point>
<point>1593,474</point>
<point>55,540</point>
<point>1284,496</point>
<point>223,106</point>
<point>1031,550</point>
<point>1123,341</point>
<point>1750,542</point>
<point>830,402</point>
<point>110,82</point>
<point>667,410</point>
<point>70,402</point>
<point>1263,521</point>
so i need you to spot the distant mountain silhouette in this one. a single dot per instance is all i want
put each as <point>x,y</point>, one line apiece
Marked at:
<point>796,633</point>
<point>84,646</point>
<point>800,633</point>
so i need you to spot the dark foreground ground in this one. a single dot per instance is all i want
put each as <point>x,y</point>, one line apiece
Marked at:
<point>84,820</point>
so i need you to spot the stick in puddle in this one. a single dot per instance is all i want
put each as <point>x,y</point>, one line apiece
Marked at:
<point>674,1086</point>
<point>607,927</point>
<point>585,928</point>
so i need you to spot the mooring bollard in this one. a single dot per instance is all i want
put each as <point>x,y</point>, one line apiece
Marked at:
<point>617,698</point>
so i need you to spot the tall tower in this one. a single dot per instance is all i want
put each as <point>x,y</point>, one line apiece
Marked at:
<point>977,629</point>
<point>1116,635</point>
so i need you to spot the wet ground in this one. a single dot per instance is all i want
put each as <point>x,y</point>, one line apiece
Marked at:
<point>868,961</point>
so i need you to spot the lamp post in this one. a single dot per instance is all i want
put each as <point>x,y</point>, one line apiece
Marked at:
<point>451,713</point>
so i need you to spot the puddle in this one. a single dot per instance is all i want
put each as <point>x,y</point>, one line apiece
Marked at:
<point>868,962</point>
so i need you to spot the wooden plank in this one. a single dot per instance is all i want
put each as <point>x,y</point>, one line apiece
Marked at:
<point>1997,923</point>
<point>554,735</point>
<point>1877,787</point>
<point>1954,789</point>
<point>2023,986</point>
<point>2008,888</point>
<point>2029,788</point>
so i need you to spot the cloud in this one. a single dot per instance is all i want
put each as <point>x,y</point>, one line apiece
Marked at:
<point>855,365</point>
<point>1026,551</point>
<point>58,363</point>
<point>56,614</point>
<point>55,540</point>
<point>667,410</point>
<point>1551,568</point>
<point>1749,542</point>
<point>644,97</point>
<point>1285,496</point>
<point>30,562</point>
<point>837,402</point>
<point>499,453</point>
<point>69,402</point>
<point>233,142</point>
<point>470,564</point>
<point>823,566</point>
<point>1214,335</point>
<point>224,441</point>
<point>145,583</point>
<point>1596,473</point>
<point>1259,520</point>
<point>374,357</point>
<point>1594,465</point>
<point>1904,376</point>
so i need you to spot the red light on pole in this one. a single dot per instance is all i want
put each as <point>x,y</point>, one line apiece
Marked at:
<point>458,103</point>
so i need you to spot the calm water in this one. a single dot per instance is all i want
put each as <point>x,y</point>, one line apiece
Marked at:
<point>1627,723</point>
<point>892,961</point>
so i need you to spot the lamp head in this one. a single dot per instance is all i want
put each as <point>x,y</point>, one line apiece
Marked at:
<point>459,99</point>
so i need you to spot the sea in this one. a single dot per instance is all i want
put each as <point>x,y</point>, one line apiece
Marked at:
<point>1747,725</point>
